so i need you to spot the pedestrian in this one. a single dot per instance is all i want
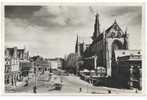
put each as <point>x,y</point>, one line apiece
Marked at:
<point>109,91</point>
<point>136,90</point>
<point>34,89</point>
<point>80,89</point>
<point>26,83</point>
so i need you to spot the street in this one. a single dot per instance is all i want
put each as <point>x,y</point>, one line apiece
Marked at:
<point>70,84</point>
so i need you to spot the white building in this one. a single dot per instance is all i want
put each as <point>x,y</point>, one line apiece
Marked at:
<point>55,63</point>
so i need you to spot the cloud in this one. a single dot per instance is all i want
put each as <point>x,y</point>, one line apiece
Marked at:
<point>19,29</point>
<point>51,30</point>
<point>36,38</point>
<point>115,10</point>
<point>62,16</point>
<point>21,12</point>
<point>136,20</point>
<point>50,16</point>
<point>55,17</point>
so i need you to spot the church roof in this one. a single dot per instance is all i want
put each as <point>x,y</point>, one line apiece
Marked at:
<point>114,28</point>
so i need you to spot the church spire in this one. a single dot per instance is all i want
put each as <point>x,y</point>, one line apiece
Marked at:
<point>126,39</point>
<point>115,22</point>
<point>96,27</point>
<point>77,48</point>
<point>126,30</point>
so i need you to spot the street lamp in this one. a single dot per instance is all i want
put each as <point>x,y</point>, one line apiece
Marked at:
<point>35,71</point>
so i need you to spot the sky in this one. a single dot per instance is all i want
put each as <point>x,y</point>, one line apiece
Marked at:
<point>51,31</point>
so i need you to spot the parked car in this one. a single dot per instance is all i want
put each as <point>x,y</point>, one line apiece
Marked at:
<point>57,86</point>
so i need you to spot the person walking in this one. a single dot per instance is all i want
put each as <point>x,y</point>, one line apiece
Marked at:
<point>34,89</point>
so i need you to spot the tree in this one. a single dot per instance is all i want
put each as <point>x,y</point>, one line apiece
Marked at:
<point>72,63</point>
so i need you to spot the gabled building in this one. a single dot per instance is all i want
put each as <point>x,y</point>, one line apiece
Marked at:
<point>15,61</point>
<point>105,43</point>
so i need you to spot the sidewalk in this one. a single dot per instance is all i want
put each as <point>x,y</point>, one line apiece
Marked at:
<point>19,84</point>
<point>89,88</point>
<point>9,87</point>
<point>77,79</point>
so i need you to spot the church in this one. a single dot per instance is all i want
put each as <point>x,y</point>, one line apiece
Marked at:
<point>107,48</point>
<point>105,43</point>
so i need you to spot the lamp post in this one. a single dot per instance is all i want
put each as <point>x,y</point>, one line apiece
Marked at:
<point>87,88</point>
<point>35,72</point>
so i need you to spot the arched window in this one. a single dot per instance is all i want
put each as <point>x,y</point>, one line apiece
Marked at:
<point>117,45</point>
<point>119,34</point>
<point>113,34</point>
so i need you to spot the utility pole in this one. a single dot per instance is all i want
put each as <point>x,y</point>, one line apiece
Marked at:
<point>87,88</point>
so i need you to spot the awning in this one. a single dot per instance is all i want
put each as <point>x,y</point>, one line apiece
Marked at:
<point>92,71</point>
<point>85,70</point>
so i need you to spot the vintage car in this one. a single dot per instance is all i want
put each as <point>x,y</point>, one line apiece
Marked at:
<point>55,83</point>
<point>57,86</point>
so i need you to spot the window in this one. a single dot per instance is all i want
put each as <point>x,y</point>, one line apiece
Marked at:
<point>112,34</point>
<point>138,52</point>
<point>123,53</point>
<point>119,34</point>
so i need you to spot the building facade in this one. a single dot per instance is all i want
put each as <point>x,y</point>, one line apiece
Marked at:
<point>14,58</point>
<point>128,69</point>
<point>40,64</point>
<point>56,63</point>
<point>104,44</point>
<point>105,48</point>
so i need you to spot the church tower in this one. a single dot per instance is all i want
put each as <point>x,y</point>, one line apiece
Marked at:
<point>96,32</point>
<point>77,47</point>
